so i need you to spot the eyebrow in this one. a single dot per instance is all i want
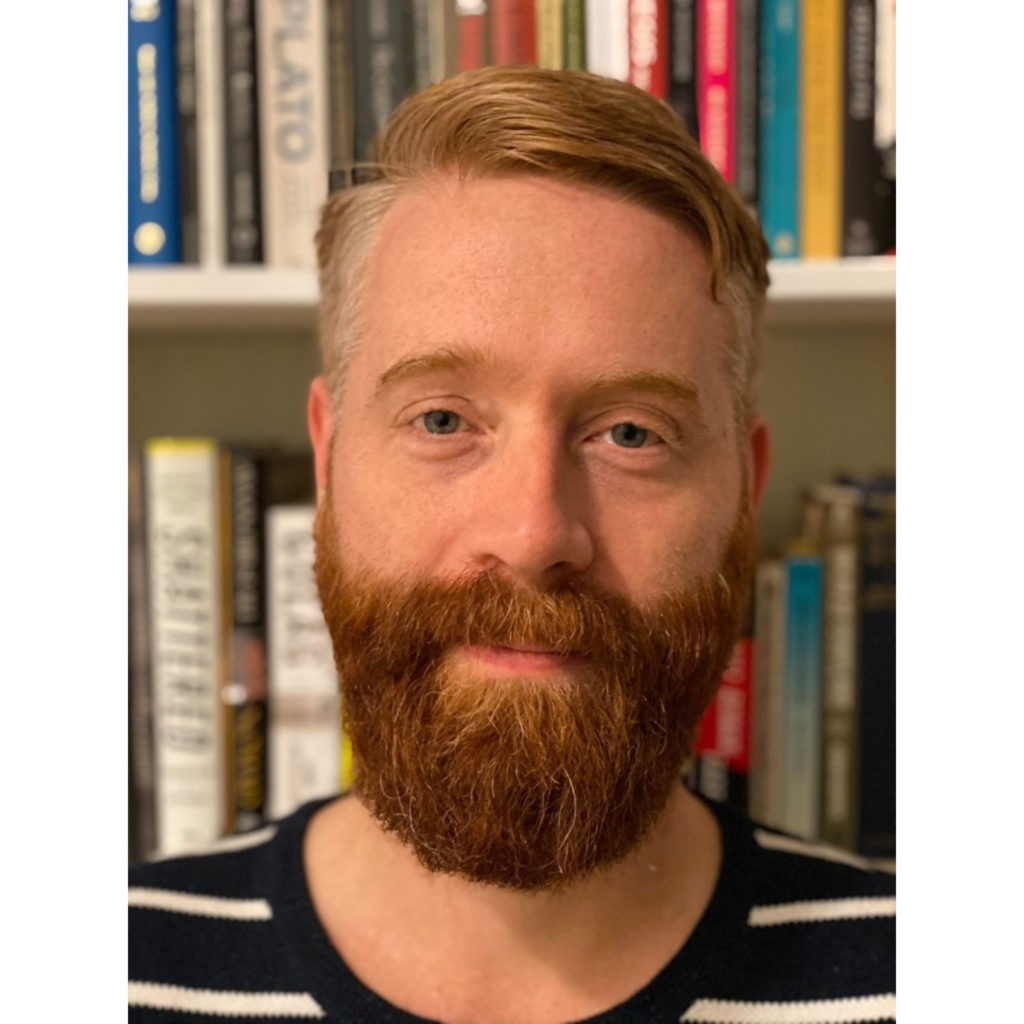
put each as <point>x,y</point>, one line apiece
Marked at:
<point>470,357</point>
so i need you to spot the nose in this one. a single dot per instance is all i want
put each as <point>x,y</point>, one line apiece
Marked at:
<point>531,519</point>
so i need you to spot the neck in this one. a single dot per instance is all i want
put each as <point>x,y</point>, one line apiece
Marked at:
<point>390,918</point>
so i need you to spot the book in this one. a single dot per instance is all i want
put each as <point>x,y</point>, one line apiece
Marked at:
<point>575,56</point>
<point>682,64</point>
<point>767,740</point>
<point>471,26</point>
<point>305,721</point>
<point>154,201</point>
<point>142,786</point>
<point>444,40</point>
<point>779,162</point>
<point>340,101</point>
<point>747,134</point>
<point>243,227</point>
<point>383,65</point>
<point>550,30</point>
<point>820,131</point>
<point>187,592</point>
<point>606,23</point>
<point>211,138</point>
<point>885,121</point>
<point>293,127</point>
<point>832,519</point>
<point>513,32</point>
<point>876,833</point>
<point>188,152</point>
<point>723,736</point>
<point>801,715</point>
<point>648,35</point>
<point>716,84</point>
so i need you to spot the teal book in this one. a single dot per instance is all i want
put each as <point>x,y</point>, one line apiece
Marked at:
<point>801,755</point>
<point>779,170</point>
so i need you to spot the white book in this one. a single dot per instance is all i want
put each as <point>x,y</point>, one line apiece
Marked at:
<point>304,734</point>
<point>184,555</point>
<point>885,73</point>
<point>210,133</point>
<point>291,73</point>
<point>607,32</point>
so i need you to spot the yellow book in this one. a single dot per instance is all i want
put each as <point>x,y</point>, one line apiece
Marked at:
<point>821,128</point>
<point>550,29</point>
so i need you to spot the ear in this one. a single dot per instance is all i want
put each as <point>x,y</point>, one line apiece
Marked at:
<point>759,462</point>
<point>320,421</point>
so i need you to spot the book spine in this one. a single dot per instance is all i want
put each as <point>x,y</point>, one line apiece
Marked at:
<point>292,78</point>
<point>421,44</point>
<point>154,201</point>
<point>682,86</point>
<point>471,21</point>
<point>383,65</point>
<point>723,735</point>
<point>860,157</point>
<point>188,152</point>
<point>716,86</point>
<point>341,103</point>
<point>575,35</point>
<point>648,33</point>
<point>142,791</point>
<point>802,696</point>
<point>747,33</point>
<point>885,121</point>
<point>821,121</point>
<point>766,788</point>
<point>877,821</point>
<point>183,535</point>
<point>550,33</point>
<point>779,185</point>
<point>444,39</point>
<point>247,681</point>
<point>513,31</point>
<point>211,132</point>
<point>305,722</point>
<point>243,241</point>
<point>607,28</point>
<point>838,512</point>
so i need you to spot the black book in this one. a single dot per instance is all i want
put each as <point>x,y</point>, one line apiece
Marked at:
<point>188,173</point>
<point>682,64</point>
<point>748,25</point>
<point>383,64</point>
<point>241,127</point>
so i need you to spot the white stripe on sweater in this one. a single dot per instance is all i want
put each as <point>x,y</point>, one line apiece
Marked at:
<point>225,1004</point>
<point>822,910</point>
<point>199,905</point>
<point>821,851</point>
<point>819,1011</point>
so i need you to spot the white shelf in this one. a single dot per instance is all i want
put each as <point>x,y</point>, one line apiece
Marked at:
<point>852,290</point>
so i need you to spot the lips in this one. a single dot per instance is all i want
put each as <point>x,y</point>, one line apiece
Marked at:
<point>521,659</point>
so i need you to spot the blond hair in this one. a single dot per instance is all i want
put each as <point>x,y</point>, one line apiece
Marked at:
<point>570,125</point>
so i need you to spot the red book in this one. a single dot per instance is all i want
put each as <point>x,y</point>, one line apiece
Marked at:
<point>716,83</point>
<point>648,46</point>
<point>724,730</point>
<point>471,25</point>
<point>513,32</point>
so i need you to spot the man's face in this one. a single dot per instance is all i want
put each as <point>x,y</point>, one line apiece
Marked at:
<point>528,495</point>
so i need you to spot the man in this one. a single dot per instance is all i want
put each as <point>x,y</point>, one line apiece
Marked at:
<point>538,464</point>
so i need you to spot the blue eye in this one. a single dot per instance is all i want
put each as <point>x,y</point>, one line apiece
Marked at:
<point>629,435</point>
<point>441,421</point>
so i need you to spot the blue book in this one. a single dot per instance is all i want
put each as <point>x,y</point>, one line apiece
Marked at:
<point>801,756</point>
<point>154,221</point>
<point>779,172</point>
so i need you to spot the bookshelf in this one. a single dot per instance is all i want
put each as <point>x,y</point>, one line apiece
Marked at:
<point>230,352</point>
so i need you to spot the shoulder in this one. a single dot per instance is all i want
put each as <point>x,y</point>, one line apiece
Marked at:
<point>205,926</point>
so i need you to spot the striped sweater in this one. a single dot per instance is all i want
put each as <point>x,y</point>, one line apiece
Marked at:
<point>795,933</point>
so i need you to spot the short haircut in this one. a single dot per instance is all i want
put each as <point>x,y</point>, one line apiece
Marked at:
<point>572,126</point>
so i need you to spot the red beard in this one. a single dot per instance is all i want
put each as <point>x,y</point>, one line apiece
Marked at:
<point>522,783</point>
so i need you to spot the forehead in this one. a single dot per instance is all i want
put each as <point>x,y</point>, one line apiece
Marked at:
<point>529,266</point>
